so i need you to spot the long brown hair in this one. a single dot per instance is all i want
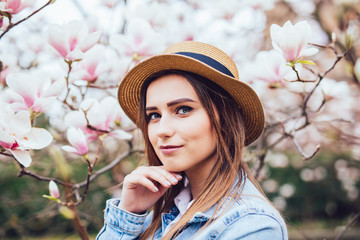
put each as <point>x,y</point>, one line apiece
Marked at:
<point>229,167</point>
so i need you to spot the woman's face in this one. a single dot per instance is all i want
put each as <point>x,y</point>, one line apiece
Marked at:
<point>179,127</point>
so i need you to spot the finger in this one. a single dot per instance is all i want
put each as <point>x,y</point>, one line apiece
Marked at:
<point>147,183</point>
<point>163,176</point>
<point>177,175</point>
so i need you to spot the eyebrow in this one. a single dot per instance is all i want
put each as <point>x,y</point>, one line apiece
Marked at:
<point>169,104</point>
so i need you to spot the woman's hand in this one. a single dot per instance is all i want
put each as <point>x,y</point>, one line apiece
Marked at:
<point>144,186</point>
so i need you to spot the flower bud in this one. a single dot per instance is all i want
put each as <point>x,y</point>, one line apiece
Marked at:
<point>53,189</point>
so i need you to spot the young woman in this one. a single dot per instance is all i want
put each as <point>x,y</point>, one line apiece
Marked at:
<point>196,117</point>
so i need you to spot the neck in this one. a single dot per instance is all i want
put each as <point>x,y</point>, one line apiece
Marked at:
<point>199,174</point>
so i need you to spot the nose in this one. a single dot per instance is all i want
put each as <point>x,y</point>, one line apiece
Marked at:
<point>165,127</point>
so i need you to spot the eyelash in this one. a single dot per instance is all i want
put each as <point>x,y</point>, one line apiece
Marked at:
<point>183,107</point>
<point>177,111</point>
<point>149,116</point>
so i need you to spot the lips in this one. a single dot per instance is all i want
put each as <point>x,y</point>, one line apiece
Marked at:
<point>170,149</point>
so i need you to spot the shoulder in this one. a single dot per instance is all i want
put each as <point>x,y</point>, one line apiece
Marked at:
<point>250,217</point>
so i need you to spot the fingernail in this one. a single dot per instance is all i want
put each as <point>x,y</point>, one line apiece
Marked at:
<point>156,189</point>
<point>173,180</point>
<point>168,183</point>
<point>178,176</point>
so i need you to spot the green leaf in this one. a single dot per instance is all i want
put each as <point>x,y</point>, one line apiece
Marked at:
<point>308,62</point>
<point>51,198</point>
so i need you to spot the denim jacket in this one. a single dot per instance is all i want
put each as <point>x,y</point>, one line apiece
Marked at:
<point>250,218</point>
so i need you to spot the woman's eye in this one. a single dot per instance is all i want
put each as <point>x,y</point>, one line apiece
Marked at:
<point>183,110</point>
<point>153,116</point>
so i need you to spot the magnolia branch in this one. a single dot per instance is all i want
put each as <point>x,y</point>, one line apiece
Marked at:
<point>75,186</point>
<point>23,171</point>
<point>11,25</point>
<point>305,113</point>
<point>90,170</point>
<point>351,222</point>
<point>67,79</point>
<point>105,169</point>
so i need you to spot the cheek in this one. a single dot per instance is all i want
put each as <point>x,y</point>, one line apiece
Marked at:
<point>199,129</point>
<point>152,135</point>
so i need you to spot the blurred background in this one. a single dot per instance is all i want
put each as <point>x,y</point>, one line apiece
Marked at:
<point>317,195</point>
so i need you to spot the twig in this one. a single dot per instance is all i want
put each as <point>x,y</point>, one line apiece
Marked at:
<point>104,169</point>
<point>24,19</point>
<point>24,171</point>
<point>67,78</point>
<point>301,151</point>
<point>321,77</point>
<point>352,221</point>
<point>6,154</point>
<point>90,170</point>
<point>95,129</point>
<point>261,165</point>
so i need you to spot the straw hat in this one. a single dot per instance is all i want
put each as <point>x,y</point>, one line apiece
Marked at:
<point>202,59</point>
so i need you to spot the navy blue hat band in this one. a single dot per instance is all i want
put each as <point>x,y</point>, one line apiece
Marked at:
<point>208,61</point>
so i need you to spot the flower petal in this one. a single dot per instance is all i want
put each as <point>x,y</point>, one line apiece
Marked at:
<point>23,85</point>
<point>68,148</point>
<point>23,157</point>
<point>120,134</point>
<point>89,41</point>
<point>57,37</point>
<point>20,124</point>
<point>37,138</point>
<point>6,141</point>
<point>77,139</point>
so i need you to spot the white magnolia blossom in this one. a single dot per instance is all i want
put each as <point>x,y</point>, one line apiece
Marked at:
<point>102,116</point>
<point>291,40</point>
<point>92,65</point>
<point>14,6</point>
<point>77,140</point>
<point>33,91</point>
<point>18,136</point>
<point>270,66</point>
<point>72,40</point>
<point>140,40</point>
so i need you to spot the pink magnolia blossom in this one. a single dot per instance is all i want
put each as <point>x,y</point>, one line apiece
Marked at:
<point>18,136</point>
<point>140,40</point>
<point>78,142</point>
<point>13,6</point>
<point>32,91</point>
<point>92,64</point>
<point>270,66</point>
<point>54,190</point>
<point>103,116</point>
<point>291,40</point>
<point>72,40</point>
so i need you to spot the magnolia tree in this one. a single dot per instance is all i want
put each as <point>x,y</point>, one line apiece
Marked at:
<point>59,79</point>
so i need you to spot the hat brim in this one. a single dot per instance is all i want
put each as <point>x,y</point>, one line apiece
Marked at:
<point>244,95</point>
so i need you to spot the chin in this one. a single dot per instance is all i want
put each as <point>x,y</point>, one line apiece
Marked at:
<point>172,168</point>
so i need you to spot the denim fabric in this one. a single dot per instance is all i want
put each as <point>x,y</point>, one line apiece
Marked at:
<point>249,218</point>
